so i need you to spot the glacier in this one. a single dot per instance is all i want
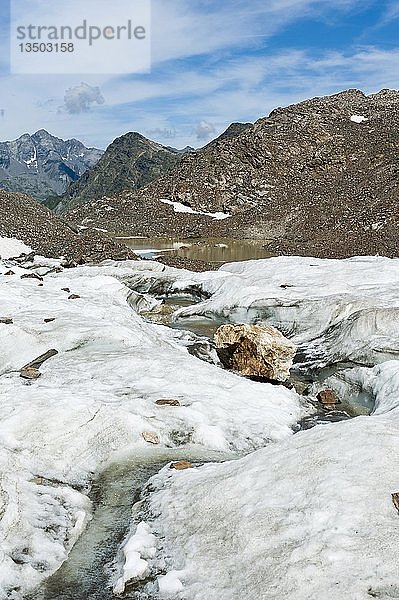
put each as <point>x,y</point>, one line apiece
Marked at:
<point>275,514</point>
<point>96,397</point>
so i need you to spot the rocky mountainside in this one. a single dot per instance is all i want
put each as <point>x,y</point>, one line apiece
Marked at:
<point>42,165</point>
<point>317,178</point>
<point>25,219</point>
<point>129,163</point>
<point>233,130</point>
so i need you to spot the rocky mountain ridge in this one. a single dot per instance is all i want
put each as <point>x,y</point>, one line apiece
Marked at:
<point>43,165</point>
<point>319,177</point>
<point>129,163</point>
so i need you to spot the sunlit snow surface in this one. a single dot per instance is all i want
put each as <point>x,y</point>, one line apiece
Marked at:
<point>308,516</point>
<point>95,398</point>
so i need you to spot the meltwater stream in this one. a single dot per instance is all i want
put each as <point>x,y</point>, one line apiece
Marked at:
<point>358,403</point>
<point>84,575</point>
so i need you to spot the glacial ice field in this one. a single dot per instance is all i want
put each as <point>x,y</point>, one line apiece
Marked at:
<point>274,515</point>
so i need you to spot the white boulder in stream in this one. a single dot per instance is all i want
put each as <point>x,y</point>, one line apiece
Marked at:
<point>255,350</point>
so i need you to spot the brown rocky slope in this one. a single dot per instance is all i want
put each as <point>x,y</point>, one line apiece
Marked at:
<point>23,218</point>
<point>310,179</point>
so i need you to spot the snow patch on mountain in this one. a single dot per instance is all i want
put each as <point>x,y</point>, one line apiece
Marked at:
<point>358,119</point>
<point>178,207</point>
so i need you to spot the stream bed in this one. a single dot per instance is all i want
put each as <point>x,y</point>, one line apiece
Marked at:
<point>86,574</point>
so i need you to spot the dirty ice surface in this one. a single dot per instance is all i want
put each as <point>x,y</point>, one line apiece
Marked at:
<point>96,398</point>
<point>306,516</point>
<point>310,517</point>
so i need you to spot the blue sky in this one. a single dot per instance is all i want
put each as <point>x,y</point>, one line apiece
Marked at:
<point>213,62</point>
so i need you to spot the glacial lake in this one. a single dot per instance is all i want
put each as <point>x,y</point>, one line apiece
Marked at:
<point>212,250</point>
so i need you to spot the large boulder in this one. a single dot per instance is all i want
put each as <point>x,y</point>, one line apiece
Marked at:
<point>255,351</point>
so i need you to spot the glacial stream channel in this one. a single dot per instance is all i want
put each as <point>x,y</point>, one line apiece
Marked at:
<point>85,574</point>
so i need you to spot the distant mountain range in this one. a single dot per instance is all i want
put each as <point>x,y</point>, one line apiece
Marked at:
<point>42,165</point>
<point>65,174</point>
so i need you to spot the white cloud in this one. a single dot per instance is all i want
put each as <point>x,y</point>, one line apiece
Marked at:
<point>80,97</point>
<point>204,131</point>
<point>391,13</point>
<point>160,133</point>
<point>181,29</point>
<point>242,90</point>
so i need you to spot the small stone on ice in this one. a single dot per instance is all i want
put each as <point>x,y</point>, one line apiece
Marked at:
<point>150,437</point>
<point>31,276</point>
<point>180,465</point>
<point>395,500</point>
<point>30,373</point>
<point>167,402</point>
<point>328,398</point>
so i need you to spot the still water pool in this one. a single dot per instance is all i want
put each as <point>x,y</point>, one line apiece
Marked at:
<point>213,250</point>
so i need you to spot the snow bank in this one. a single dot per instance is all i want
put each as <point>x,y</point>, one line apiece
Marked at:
<point>138,547</point>
<point>308,518</point>
<point>380,384</point>
<point>11,247</point>
<point>169,585</point>
<point>368,337</point>
<point>96,397</point>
